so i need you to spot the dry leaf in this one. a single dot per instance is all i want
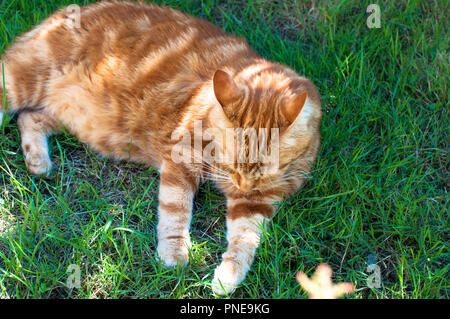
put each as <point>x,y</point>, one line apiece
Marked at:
<point>320,285</point>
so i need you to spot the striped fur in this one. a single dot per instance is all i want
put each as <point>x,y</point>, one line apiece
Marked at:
<point>134,73</point>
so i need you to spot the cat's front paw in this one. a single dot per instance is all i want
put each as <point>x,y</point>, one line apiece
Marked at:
<point>174,251</point>
<point>226,278</point>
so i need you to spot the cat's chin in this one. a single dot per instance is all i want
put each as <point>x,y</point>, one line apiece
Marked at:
<point>232,190</point>
<point>237,193</point>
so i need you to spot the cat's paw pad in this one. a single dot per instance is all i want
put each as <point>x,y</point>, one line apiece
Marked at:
<point>174,251</point>
<point>226,279</point>
<point>38,163</point>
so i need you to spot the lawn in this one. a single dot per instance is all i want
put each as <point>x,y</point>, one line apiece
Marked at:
<point>378,192</point>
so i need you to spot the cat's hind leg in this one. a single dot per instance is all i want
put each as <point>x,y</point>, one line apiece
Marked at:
<point>35,127</point>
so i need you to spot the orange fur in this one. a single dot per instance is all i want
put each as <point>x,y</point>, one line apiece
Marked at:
<point>133,74</point>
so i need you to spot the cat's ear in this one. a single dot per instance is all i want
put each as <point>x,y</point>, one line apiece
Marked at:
<point>226,91</point>
<point>294,106</point>
<point>225,88</point>
<point>297,111</point>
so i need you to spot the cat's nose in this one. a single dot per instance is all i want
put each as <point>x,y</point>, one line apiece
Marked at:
<point>246,185</point>
<point>242,183</point>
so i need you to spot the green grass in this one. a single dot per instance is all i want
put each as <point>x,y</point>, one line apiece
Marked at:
<point>378,188</point>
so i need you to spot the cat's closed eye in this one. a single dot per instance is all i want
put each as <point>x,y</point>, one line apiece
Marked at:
<point>246,183</point>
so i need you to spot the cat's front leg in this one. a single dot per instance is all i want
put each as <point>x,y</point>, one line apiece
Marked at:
<point>245,222</point>
<point>176,193</point>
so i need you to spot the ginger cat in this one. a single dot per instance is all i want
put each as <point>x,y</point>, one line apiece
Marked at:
<point>131,76</point>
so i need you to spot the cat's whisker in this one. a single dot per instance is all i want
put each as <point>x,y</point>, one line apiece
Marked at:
<point>295,173</point>
<point>213,173</point>
<point>214,170</point>
<point>217,178</point>
<point>209,164</point>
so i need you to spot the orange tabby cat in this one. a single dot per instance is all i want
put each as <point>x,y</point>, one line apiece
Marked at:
<point>131,80</point>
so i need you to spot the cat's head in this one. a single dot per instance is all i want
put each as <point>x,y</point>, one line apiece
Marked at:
<point>275,116</point>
